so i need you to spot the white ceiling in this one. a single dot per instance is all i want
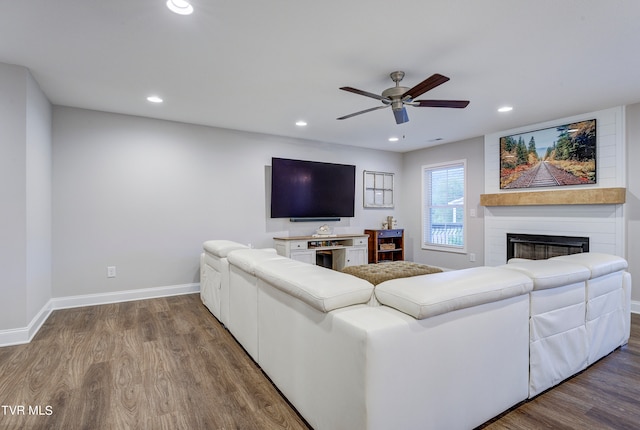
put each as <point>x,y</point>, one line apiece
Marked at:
<point>262,65</point>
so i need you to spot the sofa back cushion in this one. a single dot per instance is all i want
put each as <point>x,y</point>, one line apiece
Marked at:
<point>220,248</point>
<point>247,259</point>
<point>549,273</point>
<point>319,287</point>
<point>599,264</point>
<point>430,295</point>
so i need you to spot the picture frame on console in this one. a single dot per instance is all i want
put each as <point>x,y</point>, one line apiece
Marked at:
<point>557,156</point>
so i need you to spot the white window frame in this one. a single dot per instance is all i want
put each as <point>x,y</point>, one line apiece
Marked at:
<point>425,208</point>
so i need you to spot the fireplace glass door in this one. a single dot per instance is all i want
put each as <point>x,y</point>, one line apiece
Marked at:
<point>539,247</point>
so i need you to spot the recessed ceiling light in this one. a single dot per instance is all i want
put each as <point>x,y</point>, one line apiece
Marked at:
<point>505,109</point>
<point>181,7</point>
<point>393,139</point>
<point>301,123</point>
<point>154,99</point>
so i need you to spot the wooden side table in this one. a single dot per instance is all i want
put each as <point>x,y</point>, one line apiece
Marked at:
<point>386,245</point>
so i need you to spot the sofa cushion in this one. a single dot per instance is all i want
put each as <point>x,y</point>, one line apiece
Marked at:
<point>430,295</point>
<point>549,274</point>
<point>322,288</point>
<point>599,264</point>
<point>247,259</point>
<point>220,248</point>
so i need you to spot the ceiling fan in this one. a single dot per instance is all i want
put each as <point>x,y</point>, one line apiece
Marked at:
<point>397,97</point>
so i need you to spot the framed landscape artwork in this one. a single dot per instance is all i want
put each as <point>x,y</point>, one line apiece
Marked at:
<point>551,157</point>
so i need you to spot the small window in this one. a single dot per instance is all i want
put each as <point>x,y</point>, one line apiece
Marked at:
<point>443,206</point>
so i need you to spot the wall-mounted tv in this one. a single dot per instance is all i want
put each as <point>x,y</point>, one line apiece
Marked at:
<point>311,189</point>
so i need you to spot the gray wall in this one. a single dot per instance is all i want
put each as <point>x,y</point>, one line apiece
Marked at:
<point>25,193</point>
<point>632,207</point>
<point>473,151</point>
<point>39,196</point>
<point>143,194</point>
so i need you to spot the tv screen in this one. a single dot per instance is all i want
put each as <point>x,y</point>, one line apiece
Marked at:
<point>310,189</point>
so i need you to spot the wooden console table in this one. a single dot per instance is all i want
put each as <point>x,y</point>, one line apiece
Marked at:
<point>335,251</point>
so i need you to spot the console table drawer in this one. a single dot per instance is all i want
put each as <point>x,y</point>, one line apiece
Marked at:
<point>298,244</point>
<point>390,233</point>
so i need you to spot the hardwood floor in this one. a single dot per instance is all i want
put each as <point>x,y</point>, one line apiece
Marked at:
<point>154,364</point>
<point>168,364</point>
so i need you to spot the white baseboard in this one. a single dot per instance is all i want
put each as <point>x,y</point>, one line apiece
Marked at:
<point>123,296</point>
<point>635,307</point>
<point>23,335</point>
<point>18,336</point>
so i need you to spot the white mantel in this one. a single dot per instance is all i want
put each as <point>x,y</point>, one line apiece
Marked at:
<point>602,223</point>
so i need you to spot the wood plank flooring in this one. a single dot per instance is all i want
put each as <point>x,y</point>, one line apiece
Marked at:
<point>153,364</point>
<point>168,364</point>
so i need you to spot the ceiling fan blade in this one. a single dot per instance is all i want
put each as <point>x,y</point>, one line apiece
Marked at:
<point>426,85</point>
<point>459,104</point>
<point>363,93</point>
<point>401,115</point>
<point>363,111</point>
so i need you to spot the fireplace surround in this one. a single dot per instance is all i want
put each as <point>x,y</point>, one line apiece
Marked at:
<point>539,247</point>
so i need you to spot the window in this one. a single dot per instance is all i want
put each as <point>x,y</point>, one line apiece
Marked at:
<point>443,206</point>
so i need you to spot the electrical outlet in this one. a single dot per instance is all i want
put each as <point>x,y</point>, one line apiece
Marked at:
<point>111,271</point>
<point>472,257</point>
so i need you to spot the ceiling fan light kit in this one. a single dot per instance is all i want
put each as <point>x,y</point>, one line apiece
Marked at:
<point>398,97</point>
<point>181,7</point>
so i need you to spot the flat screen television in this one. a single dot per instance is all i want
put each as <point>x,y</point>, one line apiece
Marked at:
<point>311,189</point>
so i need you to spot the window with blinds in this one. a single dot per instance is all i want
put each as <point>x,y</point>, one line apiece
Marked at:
<point>443,206</point>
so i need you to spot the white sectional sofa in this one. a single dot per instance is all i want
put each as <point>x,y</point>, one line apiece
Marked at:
<point>447,350</point>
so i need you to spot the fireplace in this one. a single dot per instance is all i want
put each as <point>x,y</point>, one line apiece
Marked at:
<point>539,247</point>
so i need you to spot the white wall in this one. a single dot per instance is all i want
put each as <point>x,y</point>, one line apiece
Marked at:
<point>38,204</point>
<point>25,196</point>
<point>632,206</point>
<point>472,151</point>
<point>143,194</point>
<point>603,224</point>
<point>12,196</point>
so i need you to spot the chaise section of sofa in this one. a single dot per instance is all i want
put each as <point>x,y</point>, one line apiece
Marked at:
<point>461,355</point>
